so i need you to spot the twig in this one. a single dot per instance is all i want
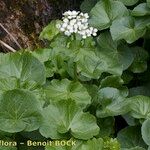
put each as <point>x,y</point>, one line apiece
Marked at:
<point>7,46</point>
<point>13,38</point>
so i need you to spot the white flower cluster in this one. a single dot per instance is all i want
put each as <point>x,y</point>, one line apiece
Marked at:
<point>76,22</point>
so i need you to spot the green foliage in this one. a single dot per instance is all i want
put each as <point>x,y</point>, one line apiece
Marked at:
<point>148,3</point>
<point>93,144</point>
<point>139,64</point>
<point>19,110</point>
<point>112,102</point>
<point>50,31</point>
<point>129,2</point>
<point>130,138</point>
<point>87,5</point>
<point>146,131</point>
<point>141,10</point>
<point>106,11</point>
<point>65,116</point>
<point>82,89</point>
<point>65,89</point>
<point>128,28</point>
<point>140,106</point>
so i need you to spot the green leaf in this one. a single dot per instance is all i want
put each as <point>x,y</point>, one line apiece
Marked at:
<point>140,106</point>
<point>130,120</point>
<point>139,64</point>
<point>127,28</point>
<point>127,77</point>
<point>135,148</point>
<point>125,55</point>
<point>140,90</point>
<point>105,11</point>
<point>130,137</point>
<point>19,110</point>
<point>115,58</point>
<point>92,90</point>
<point>111,144</point>
<point>66,89</point>
<point>115,82</point>
<point>50,31</point>
<point>42,54</point>
<point>107,126</point>
<point>24,67</point>
<point>87,5</point>
<point>82,59</point>
<point>146,131</point>
<point>148,3</point>
<point>88,64</point>
<point>112,81</point>
<point>7,84</point>
<point>60,41</point>
<point>93,144</point>
<point>108,53</point>
<point>65,56</point>
<point>59,57</point>
<point>63,117</point>
<point>141,10</point>
<point>112,103</point>
<point>129,2</point>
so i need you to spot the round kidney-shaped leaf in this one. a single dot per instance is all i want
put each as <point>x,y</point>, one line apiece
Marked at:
<point>112,101</point>
<point>127,28</point>
<point>141,10</point>
<point>129,2</point>
<point>19,110</point>
<point>65,116</point>
<point>146,131</point>
<point>24,67</point>
<point>105,11</point>
<point>130,137</point>
<point>66,89</point>
<point>140,106</point>
<point>50,31</point>
<point>148,3</point>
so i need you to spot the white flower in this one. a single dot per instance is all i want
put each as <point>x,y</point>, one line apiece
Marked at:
<point>65,20</point>
<point>62,29</point>
<point>58,26</point>
<point>67,13</point>
<point>95,30</point>
<point>75,30</point>
<point>71,30</point>
<point>64,25</point>
<point>94,34</point>
<point>79,23</point>
<point>69,27</point>
<point>72,22</point>
<point>84,36</point>
<point>76,22</point>
<point>75,26</point>
<point>86,15</point>
<point>84,20</point>
<point>67,33</point>
<point>75,13</point>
